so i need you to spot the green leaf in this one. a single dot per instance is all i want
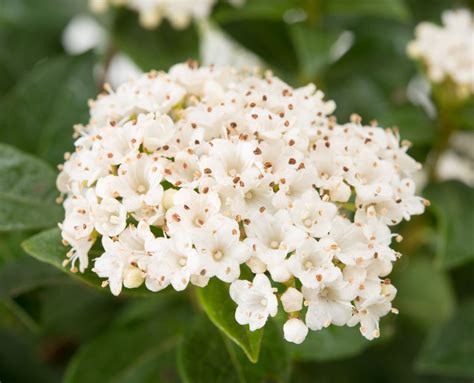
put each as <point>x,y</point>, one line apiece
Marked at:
<point>413,123</point>
<point>452,203</point>
<point>220,308</point>
<point>142,350</point>
<point>395,9</point>
<point>20,360</point>
<point>207,355</point>
<point>422,290</point>
<point>10,249</point>
<point>27,192</point>
<point>158,48</point>
<point>38,114</point>
<point>449,351</point>
<point>24,21</point>
<point>312,47</point>
<point>25,274</point>
<point>47,247</point>
<point>261,9</point>
<point>259,27</point>
<point>59,315</point>
<point>330,344</point>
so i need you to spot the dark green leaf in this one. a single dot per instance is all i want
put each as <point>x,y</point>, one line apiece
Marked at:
<point>312,47</point>
<point>24,21</point>
<point>20,361</point>
<point>452,202</point>
<point>261,10</point>
<point>27,192</point>
<point>159,48</point>
<point>47,247</point>
<point>422,290</point>
<point>10,246</point>
<point>207,355</point>
<point>39,113</point>
<point>331,343</point>
<point>24,274</point>
<point>259,27</point>
<point>220,308</point>
<point>413,123</point>
<point>135,351</point>
<point>74,319</point>
<point>395,9</point>
<point>449,351</point>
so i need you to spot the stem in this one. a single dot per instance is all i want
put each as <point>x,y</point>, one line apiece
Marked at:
<point>21,314</point>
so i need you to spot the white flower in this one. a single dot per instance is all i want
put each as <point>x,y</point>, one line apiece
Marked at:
<point>119,261</point>
<point>140,182</point>
<point>312,214</point>
<point>312,265</point>
<point>369,311</point>
<point>292,300</point>
<point>272,238</point>
<point>172,261</point>
<point>447,51</point>
<point>191,211</point>
<point>328,305</point>
<point>295,330</point>
<point>110,217</point>
<point>222,170</point>
<point>151,12</point>
<point>255,301</point>
<point>221,252</point>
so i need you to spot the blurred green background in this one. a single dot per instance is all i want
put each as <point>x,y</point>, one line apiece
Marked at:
<point>54,327</point>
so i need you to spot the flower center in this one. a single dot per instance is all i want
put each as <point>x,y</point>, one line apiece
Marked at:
<point>217,255</point>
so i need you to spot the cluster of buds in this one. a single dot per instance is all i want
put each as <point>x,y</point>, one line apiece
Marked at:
<point>198,173</point>
<point>447,52</point>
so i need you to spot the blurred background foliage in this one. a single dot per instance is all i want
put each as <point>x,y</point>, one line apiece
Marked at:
<point>57,328</point>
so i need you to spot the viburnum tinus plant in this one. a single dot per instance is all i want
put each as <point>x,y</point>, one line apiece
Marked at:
<point>195,174</point>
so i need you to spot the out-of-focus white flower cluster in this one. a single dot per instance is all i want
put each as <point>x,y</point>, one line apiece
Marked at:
<point>197,173</point>
<point>151,12</point>
<point>447,51</point>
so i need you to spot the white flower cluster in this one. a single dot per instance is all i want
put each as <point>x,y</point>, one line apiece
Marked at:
<point>447,51</point>
<point>151,12</point>
<point>197,173</point>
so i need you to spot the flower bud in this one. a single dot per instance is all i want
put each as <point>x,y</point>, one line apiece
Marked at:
<point>133,278</point>
<point>295,330</point>
<point>292,300</point>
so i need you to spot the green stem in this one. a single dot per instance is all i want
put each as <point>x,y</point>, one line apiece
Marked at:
<point>21,314</point>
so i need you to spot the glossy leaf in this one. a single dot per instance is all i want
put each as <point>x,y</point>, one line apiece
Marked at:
<point>24,21</point>
<point>27,192</point>
<point>25,274</point>
<point>422,290</point>
<point>220,309</point>
<point>452,203</point>
<point>141,350</point>
<point>207,355</point>
<point>38,114</point>
<point>449,350</point>
<point>259,27</point>
<point>395,9</point>
<point>47,247</point>
<point>331,343</point>
<point>313,48</point>
<point>158,48</point>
